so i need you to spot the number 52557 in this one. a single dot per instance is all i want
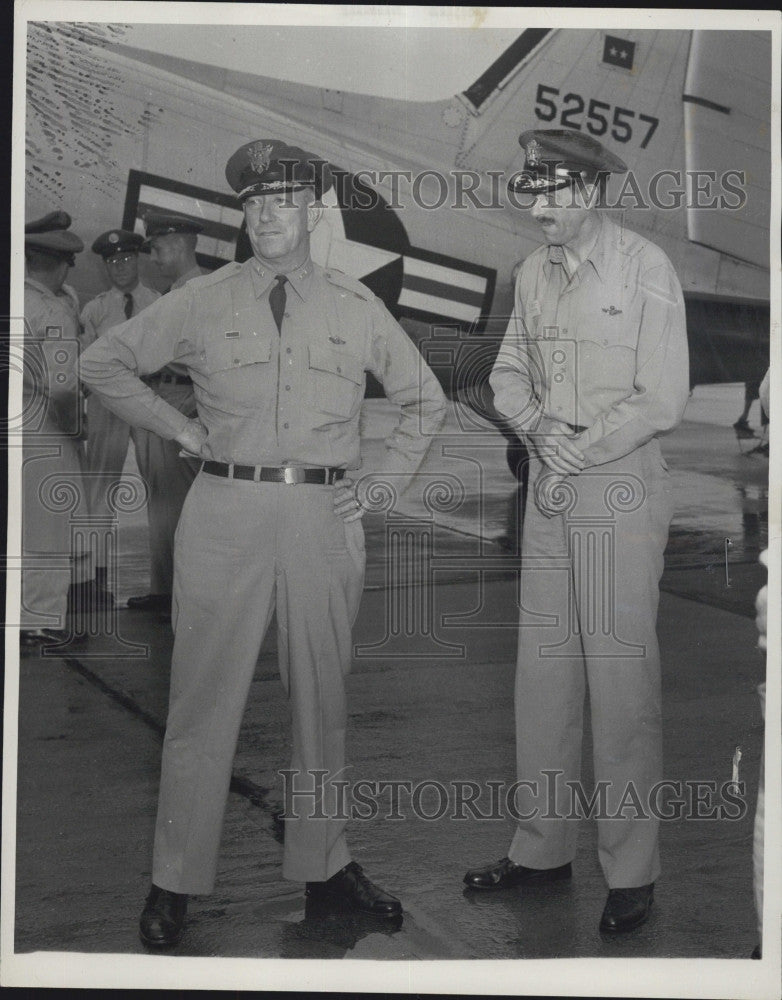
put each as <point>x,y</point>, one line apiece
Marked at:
<point>599,117</point>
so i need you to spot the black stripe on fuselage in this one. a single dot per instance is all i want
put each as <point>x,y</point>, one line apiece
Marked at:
<point>488,81</point>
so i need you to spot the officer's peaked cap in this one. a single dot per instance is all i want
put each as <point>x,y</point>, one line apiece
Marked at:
<point>50,235</point>
<point>556,158</point>
<point>117,241</point>
<point>269,166</point>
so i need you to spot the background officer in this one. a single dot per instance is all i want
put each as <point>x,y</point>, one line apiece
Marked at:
<point>108,437</point>
<point>171,240</point>
<point>277,349</point>
<point>50,426</point>
<point>593,368</point>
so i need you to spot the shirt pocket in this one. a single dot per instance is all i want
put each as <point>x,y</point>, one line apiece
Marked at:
<point>605,350</point>
<point>336,382</point>
<point>238,372</point>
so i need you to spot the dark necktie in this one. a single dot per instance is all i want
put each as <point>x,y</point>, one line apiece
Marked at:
<point>277,300</point>
<point>128,305</point>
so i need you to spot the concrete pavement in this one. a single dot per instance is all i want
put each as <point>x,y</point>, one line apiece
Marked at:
<point>434,705</point>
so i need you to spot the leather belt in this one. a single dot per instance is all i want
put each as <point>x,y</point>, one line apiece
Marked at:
<point>165,378</point>
<point>289,474</point>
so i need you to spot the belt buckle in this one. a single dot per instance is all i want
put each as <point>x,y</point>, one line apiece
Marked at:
<point>290,477</point>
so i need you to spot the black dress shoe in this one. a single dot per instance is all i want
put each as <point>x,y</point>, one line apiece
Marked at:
<point>742,428</point>
<point>626,909</point>
<point>33,638</point>
<point>150,602</point>
<point>351,886</point>
<point>163,918</point>
<point>504,873</point>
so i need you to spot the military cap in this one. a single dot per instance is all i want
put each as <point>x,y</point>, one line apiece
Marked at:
<point>117,241</point>
<point>50,235</point>
<point>555,158</point>
<point>159,224</point>
<point>269,166</point>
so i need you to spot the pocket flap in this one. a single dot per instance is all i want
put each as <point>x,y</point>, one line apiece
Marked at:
<point>237,351</point>
<point>344,365</point>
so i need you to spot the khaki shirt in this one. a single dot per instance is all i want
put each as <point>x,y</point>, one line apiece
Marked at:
<point>266,398</point>
<point>51,349</point>
<point>605,349</point>
<point>194,272</point>
<point>108,309</point>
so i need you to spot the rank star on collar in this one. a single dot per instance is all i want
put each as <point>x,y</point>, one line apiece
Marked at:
<point>612,310</point>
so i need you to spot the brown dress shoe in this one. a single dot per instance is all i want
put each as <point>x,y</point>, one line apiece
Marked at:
<point>505,873</point>
<point>626,909</point>
<point>163,918</point>
<point>351,886</point>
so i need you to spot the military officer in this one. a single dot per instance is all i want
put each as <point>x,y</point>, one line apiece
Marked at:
<point>171,241</point>
<point>108,437</point>
<point>50,425</point>
<point>592,370</point>
<point>277,349</point>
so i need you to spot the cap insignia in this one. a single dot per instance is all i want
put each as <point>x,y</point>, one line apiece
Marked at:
<point>113,238</point>
<point>260,156</point>
<point>533,152</point>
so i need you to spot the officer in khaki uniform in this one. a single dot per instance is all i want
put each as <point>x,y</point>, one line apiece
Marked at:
<point>51,401</point>
<point>593,368</point>
<point>171,242</point>
<point>277,349</point>
<point>108,437</point>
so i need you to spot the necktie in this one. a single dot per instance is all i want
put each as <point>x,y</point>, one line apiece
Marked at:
<point>128,305</point>
<point>277,300</point>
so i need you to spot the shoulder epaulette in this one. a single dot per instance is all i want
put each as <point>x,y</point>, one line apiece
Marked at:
<point>226,271</point>
<point>353,285</point>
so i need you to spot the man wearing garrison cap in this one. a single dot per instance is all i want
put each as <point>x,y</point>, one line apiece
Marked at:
<point>278,349</point>
<point>50,426</point>
<point>108,436</point>
<point>593,369</point>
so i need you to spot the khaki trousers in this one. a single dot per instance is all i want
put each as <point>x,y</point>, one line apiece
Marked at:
<point>108,437</point>
<point>589,596</point>
<point>242,549</point>
<point>168,478</point>
<point>52,493</point>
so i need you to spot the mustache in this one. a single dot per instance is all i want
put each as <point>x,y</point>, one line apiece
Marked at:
<point>546,218</point>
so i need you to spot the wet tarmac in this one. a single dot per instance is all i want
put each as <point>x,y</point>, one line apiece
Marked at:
<point>430,702</point>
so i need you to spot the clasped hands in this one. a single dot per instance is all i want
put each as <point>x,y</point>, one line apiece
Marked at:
<point>563,458</point>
